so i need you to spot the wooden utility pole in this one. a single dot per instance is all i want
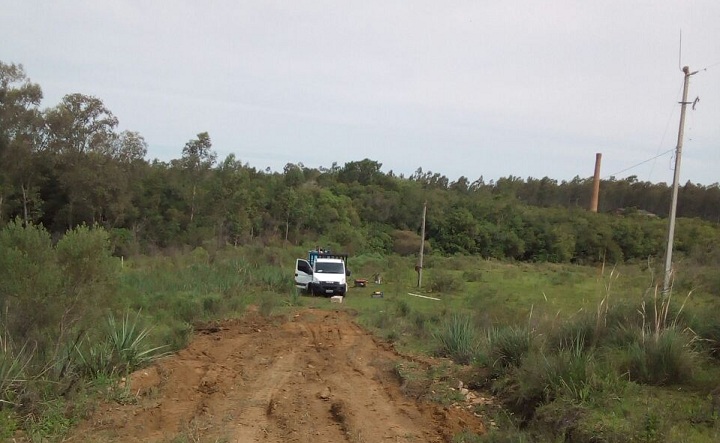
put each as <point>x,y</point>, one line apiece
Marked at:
<point>676,181</point>
<point>422,246</point>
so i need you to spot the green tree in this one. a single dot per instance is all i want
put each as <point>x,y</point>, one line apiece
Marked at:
<point>20,140</point>
<point>81,136</point>
<point>197,160</point>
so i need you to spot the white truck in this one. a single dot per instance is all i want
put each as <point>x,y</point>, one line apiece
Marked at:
<point>322,273</point>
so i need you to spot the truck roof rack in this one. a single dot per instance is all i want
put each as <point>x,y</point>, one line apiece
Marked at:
<point>314,255</point>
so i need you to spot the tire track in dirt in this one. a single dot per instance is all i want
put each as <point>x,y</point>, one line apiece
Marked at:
<point>312,377</point>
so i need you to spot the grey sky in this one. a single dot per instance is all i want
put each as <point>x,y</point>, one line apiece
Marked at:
<point>469,88</point>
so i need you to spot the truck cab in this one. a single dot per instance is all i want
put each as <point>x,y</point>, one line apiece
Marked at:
<point>322,273</point>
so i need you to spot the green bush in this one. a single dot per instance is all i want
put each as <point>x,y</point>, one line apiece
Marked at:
<point>49,294</point>
<point>444,281</point>
<point>473,275</point>
<point>30,285</point>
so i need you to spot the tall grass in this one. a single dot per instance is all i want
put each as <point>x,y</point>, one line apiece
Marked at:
<point>459,339</point>
<point>13,363</point>
<point>508,345</point>
<point>666,359</point>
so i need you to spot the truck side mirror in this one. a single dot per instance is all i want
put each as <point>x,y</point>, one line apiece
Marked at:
<point>347,273</point>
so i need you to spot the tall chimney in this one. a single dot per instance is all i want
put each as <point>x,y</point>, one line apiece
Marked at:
<point>596,184</point>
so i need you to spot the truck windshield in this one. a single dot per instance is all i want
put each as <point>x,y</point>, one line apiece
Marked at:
<point>329,268</point>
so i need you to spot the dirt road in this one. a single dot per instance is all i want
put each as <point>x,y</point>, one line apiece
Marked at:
<point>313,377</point>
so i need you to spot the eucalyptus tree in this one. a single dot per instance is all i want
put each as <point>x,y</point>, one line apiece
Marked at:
<point>81,136</point>
<point>20,140</point>
<point>197,161</point>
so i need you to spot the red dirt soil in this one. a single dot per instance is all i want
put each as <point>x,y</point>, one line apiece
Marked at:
<point>314,376</point>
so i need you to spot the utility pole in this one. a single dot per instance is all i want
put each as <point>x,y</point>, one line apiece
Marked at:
<point>676,182</point>
<point>422,246</point>
<point>596,184</point>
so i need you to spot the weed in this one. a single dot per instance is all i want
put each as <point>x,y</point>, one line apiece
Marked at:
<point>8,423</point>
<point>467,437</point>
<point>294,298</point>
<point>51,423</point>
<point>212,304</point>
<point>402,307</point>
<point>651,428</point>
<point>268,304</point>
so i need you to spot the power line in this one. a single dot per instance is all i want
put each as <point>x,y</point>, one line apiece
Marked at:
<point>662,140</point>
<point>639,164</point>
<point>709,66</point>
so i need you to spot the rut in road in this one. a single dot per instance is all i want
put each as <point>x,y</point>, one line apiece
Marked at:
<point>314,376</point>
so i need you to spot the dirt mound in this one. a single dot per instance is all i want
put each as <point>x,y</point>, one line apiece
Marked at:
<point>315,377</point>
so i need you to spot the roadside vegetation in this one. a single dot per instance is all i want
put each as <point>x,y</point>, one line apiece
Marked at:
<point>561,352</point>
<point>108,261</point>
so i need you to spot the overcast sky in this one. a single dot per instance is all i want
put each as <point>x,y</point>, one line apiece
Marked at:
<point>473,88</point>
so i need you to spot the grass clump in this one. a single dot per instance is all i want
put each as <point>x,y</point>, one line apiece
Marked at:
<point>125,348</point>
<point>458,339</point>
<point>508,345</point>
<point>268,304</point>
<point>13,364</point>
<point>667,359</point>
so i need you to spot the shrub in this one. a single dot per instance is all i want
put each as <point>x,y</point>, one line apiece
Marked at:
<point>30,284</point>
<point>473,275</point>
<point>443,281</point>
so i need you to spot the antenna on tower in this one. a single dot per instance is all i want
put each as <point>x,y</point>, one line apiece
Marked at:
<point>680,52</point>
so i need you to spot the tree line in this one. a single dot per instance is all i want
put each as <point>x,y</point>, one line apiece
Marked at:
<point>69,165</point>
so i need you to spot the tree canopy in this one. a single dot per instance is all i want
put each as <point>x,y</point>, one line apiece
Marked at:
<point>68,165</point>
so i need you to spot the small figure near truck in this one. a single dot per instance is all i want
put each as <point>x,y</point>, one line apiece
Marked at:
<point>323,273</point>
